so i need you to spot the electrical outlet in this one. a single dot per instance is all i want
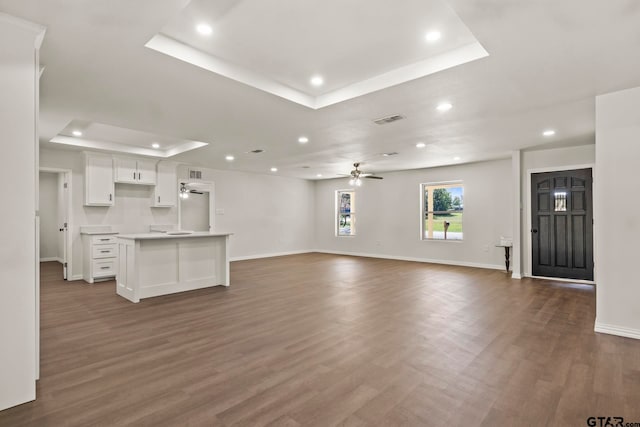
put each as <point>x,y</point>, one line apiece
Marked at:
<point>377,242</point>
<point>219,211</point>
<point>485,248</point>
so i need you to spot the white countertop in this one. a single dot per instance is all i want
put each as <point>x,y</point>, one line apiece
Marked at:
<point>98,233</point>
<point>157,236</point>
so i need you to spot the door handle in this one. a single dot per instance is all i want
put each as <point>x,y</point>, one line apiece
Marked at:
<point>534,230</point>
<point>62,229</point>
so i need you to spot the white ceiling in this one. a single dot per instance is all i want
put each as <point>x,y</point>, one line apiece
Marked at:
<point>279,45</point>
<point>547,61</point>
<point>98,136</point>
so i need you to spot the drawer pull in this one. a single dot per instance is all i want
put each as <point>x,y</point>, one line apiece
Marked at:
<point>104,252</point>
<point>104,240</point>
<point>104,268</point>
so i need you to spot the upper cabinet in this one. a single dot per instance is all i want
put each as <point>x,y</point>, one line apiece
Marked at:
<point>165,193</point>
<point>147,172</point>
<point>133,171</point>
<point>98,180</point>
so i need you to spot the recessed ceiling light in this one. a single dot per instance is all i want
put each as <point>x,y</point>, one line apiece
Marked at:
<point>319,175</point>
<point>549,132</point>
<point>317,81</point>
<point>303,140</point>
<point>445,106</point>
<point>155,145</point>
<point>433,36</point>
<point>456,158</point>
<point>76,133</point>
<point>274,169</point>
<point>229,158</point>
<point>421,145</point>
<point>204,29</point>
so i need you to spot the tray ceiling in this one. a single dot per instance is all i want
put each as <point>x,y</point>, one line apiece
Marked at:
<point>254,42</point>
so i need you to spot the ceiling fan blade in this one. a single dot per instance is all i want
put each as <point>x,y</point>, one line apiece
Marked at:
<point>372,177</point>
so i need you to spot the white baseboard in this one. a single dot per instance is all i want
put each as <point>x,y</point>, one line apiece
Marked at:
<point>368,255</point>
<point>49,259</point>
<point>516,276</point>
<point>426,260</point>
<point>270,255</point>
<point>76,277</point>
<point>620,331</point>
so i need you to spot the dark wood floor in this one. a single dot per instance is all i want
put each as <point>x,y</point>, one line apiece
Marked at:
<point>329,340</point>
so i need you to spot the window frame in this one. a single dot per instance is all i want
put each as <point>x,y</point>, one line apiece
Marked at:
<point>352,213</point>
<point>423,213</point>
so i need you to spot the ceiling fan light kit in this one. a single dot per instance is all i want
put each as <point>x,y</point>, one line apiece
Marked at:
<point>357,175</point>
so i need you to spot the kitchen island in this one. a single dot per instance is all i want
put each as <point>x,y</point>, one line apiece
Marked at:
<point>153,264</point>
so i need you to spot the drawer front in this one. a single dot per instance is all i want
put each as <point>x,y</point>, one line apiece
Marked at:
<point>103,239</point>
<point>104,267</point>
<point>105,251</point>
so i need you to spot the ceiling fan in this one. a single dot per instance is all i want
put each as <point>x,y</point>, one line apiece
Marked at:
<point>356,174</point>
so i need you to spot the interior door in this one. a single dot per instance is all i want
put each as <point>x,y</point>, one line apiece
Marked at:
<point>562,224</point>
<point>64,215</point>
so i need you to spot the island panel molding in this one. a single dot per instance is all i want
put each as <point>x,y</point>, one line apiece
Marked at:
<point>154,264</point>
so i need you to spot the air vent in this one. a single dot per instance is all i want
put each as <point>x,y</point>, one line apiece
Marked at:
<point>388,119</point>
<point>257,151</point>
<point>393,153</point>
<point>195,174</point>
<point>306,167</point>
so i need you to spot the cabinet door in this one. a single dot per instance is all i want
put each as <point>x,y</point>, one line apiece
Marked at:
<point>166,190</point>
<point>126,170</point>
<point>146,172</point>
<point>99,181</point>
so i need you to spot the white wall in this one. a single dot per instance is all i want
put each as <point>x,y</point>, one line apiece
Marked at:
<point>558,159</point>
<point>617,219</point>
<point>49,224</point>
<point>19,41</point>
<point>268,214</point>
<point>388,215</point>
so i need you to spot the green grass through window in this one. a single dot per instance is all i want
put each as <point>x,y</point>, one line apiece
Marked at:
<point>454,218</point>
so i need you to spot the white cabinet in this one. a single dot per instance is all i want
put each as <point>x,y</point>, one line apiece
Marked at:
<point>98,180</point>
<point>126,170</point>
<point>100,256</point>
<point>133,171</point>
<point>147,172</point>
<point>165,192</point>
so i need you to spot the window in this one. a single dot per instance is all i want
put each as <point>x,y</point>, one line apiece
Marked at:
<point>442,211</point>
<point>345,215</point>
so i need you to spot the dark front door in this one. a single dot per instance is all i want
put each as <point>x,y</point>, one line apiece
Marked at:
<point>562,224</point>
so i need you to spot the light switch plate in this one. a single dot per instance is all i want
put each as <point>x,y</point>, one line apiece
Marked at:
<point>219,211</point>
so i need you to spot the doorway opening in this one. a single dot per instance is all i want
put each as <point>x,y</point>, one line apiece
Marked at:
<point>55,218</point>
<point>562,224</point>
<point>196,207</point>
